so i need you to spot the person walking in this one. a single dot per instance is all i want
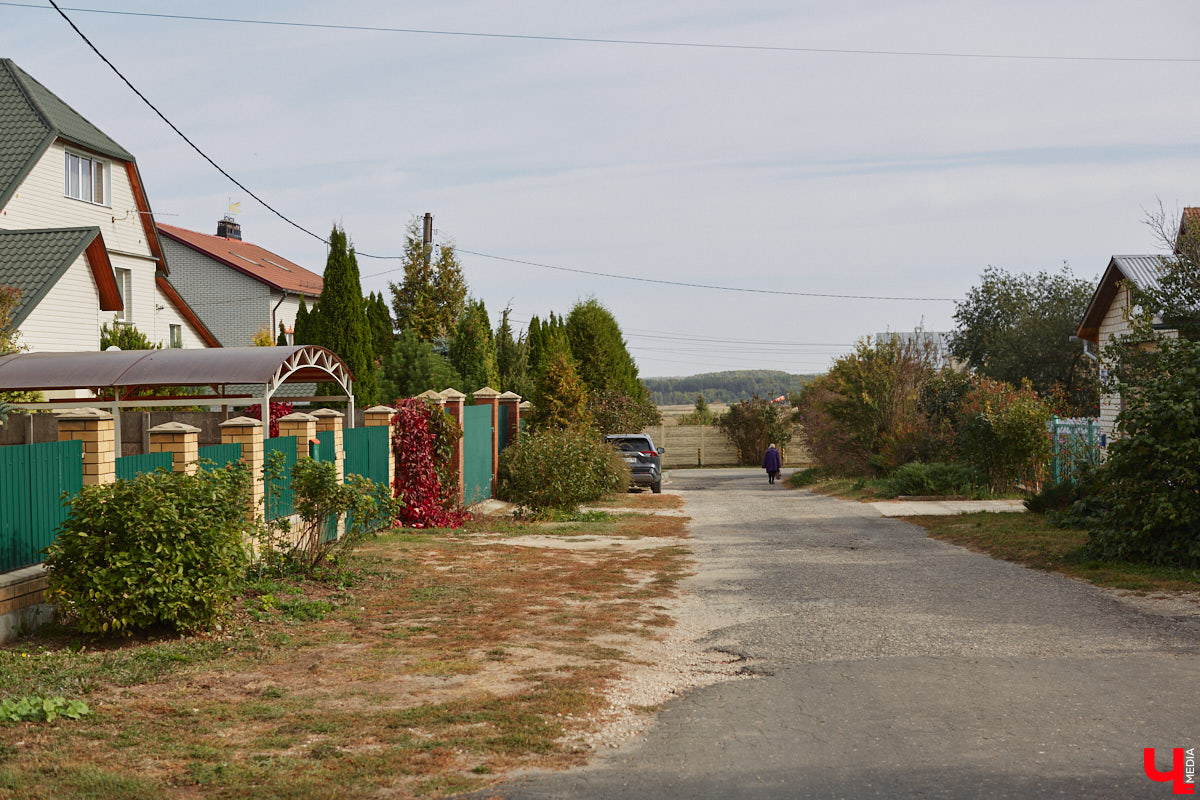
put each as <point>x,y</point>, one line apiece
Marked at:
<point>771,463</point>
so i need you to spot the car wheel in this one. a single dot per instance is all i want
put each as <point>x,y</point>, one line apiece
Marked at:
<point>656,487</point>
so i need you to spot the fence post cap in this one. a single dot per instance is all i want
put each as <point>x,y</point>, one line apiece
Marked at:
<point>525,405</point>
<point>297,416</point>
<point>240,422</point>
<point>486,393</point>
<point>432,395</point>
<point>175,427</point>
<point>85,413</point>
<point>380,410</point>
<point>507,396</point>
<point>453,395</point>
<point>325,412</point>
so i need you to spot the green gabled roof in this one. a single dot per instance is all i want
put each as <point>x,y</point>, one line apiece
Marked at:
<point>34,260</point>
<point>31,118</point>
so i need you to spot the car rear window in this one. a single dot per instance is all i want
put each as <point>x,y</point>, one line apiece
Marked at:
<point>630,443</point>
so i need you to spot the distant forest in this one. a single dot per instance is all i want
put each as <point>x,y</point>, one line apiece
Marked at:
<point>724,387</point>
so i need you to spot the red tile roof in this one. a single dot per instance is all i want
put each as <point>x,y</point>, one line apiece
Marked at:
<point>250,259</point>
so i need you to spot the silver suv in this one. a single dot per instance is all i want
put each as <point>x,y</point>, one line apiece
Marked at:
<point>644,460</point>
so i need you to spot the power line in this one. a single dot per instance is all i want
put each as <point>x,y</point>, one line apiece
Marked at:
<point>626,42</point>
<point>716,287</point>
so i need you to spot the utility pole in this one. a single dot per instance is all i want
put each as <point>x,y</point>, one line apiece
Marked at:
<point>427,238</point>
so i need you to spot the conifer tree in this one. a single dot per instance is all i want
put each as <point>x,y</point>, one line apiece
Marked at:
<point>433,293</point>
<point>512,359</point>
<point>381,324</point>
<point>341,319</point>
<point>472,350</point>
<point>281,339</point>
<point>301,333</point>
<point>599,351</point>
<point>411,367</point>
<point>560,399</point>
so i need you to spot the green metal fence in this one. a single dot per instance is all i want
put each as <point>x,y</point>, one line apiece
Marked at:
<point>1075,444</point>
<point>129,467</point>
<point>278,490</point>
<point>33,478</point>
<point>220,455</point>
<point>503,433</point>
<point>367,453</point>
<point>325,449</point>
<point>477,454</point>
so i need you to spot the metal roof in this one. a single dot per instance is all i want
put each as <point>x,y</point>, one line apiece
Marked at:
<point>1143,271</point>
<point>214,367</point>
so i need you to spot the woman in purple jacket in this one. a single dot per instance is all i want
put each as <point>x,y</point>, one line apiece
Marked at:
<point>772,463</point>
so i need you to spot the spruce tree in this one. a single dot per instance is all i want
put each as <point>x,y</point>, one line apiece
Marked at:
<point>512,359</point>
<point>341,319</point>
<point>433,294</point>
<point>411,367</point>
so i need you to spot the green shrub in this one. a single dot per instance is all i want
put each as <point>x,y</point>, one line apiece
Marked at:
<point>163,549</point>
<point>1148,508</point>
<point>559,469</point>
<point>1002,432</point>
<point>805,477</point>
<point>935,479</point>
<point>753,425</point>
<point>1054,497</point>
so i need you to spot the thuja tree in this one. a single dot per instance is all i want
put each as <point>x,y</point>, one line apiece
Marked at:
<point>512,359</point>
<point>412,367</point>
<point>560,399</point>
<point>341,320</point>
<point>473,350</point>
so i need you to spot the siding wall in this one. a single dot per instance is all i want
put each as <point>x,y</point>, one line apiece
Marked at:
<point>233,306</point>
<point>1114,324</point>
<point>68,318</point>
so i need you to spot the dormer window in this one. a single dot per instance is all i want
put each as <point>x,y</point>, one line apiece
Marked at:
<point>87,179</point>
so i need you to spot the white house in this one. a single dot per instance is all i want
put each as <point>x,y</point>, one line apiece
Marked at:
<point>76,232</point>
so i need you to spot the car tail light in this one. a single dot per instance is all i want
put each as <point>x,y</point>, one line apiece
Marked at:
<point>649,453</point>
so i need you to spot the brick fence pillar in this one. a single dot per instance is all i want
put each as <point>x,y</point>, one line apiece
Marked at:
<point>179,439</point>
<point>95,429</point>
<point>248,432</point>
<point>330,420</point>
<point>303,427</point>
<point>454,407</point>
<point>487,396</point>
<point>512,401</point>
<point>378,417</point>
<point>433,397</point>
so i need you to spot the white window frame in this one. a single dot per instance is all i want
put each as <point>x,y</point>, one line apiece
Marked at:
<point>87,178</point>
<point>176,335</point>
<point>124,278</point>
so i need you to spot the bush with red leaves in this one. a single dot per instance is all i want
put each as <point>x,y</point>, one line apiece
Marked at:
<point>275,411</point>
<point>427,503</point>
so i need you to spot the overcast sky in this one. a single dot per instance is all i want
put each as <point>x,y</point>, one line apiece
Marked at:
<point>801,172</point>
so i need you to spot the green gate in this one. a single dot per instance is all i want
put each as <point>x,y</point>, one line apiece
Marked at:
<point>477,454</point>
<point>367,453</point>
<point>502,436</point>
<point>32,480</point>
<point>129,467</point>
<point>278,490</point>
<point>325,449</point>
<point>1074,444</point>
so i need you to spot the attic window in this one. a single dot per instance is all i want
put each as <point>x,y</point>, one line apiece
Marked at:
<point>86,179</point>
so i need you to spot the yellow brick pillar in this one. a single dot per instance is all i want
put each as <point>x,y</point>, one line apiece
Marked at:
<point>454,400</point>
<point>382,416</point>
<point>303,427</point>
<point>95,429</point>
<point>248,433</point>
<point>487,396</point>
<point>513,401</point>
<point>330,420</point>
<point>179,439</point>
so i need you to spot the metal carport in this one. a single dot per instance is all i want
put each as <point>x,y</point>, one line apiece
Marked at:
<point>116,376</point>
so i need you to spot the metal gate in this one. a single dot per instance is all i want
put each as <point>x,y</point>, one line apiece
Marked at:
<point>367,453</point>
<point>32,480</point>
<point>477,454</point>
<point>502,435</point>
<point>1074,444</point>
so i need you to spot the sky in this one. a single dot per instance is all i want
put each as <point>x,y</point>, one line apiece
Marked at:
<point>797,173</point>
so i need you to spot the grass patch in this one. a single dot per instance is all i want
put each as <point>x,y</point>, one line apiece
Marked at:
<point>1028,539</point>
<point>424,664</point>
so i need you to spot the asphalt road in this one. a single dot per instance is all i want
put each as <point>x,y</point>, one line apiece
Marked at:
<point>891,665</point>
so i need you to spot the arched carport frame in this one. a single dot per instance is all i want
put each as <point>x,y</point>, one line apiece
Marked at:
<point>126,378</point>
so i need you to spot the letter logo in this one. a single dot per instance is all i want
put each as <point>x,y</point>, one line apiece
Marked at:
<point>1179,783</point>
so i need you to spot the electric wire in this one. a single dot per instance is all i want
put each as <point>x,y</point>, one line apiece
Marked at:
<point>628,42</point>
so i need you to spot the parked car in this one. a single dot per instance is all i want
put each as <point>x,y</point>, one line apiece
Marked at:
<point>644,460</point>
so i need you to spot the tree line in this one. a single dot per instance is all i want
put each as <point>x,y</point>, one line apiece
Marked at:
<point>725,387</point>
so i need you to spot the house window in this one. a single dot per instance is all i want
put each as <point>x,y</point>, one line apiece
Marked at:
<point>125,287</point>
<point>176,336</point>
<point>86,179</point>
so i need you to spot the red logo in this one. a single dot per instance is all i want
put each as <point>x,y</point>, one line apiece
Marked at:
<point>1183,769</point>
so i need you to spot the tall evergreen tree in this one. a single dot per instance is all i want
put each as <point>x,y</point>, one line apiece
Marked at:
<point>281,339</point>
<point>472,350</point>
<point>380,322</point>
<point>512,359</point>
<point>301,328</point>
<point>411,367</point>
<point>433,293</point>
<point>601,358</point>
<point>341,318</point>
<point>560,399</point>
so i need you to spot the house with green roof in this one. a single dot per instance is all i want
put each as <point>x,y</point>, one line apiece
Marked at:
<point>77,236</point>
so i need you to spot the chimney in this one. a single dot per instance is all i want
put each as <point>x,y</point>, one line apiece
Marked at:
<point>228,228</point>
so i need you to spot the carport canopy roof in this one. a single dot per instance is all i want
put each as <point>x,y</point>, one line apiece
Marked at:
<point>215,367</point>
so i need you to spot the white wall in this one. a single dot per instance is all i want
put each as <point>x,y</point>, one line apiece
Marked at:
<point>69,316</point>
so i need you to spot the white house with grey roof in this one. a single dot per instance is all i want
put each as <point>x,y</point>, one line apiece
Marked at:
<point>76,233</point>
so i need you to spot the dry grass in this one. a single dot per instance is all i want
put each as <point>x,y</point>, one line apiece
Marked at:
<point>642,500</point>
<point>443,663</point>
